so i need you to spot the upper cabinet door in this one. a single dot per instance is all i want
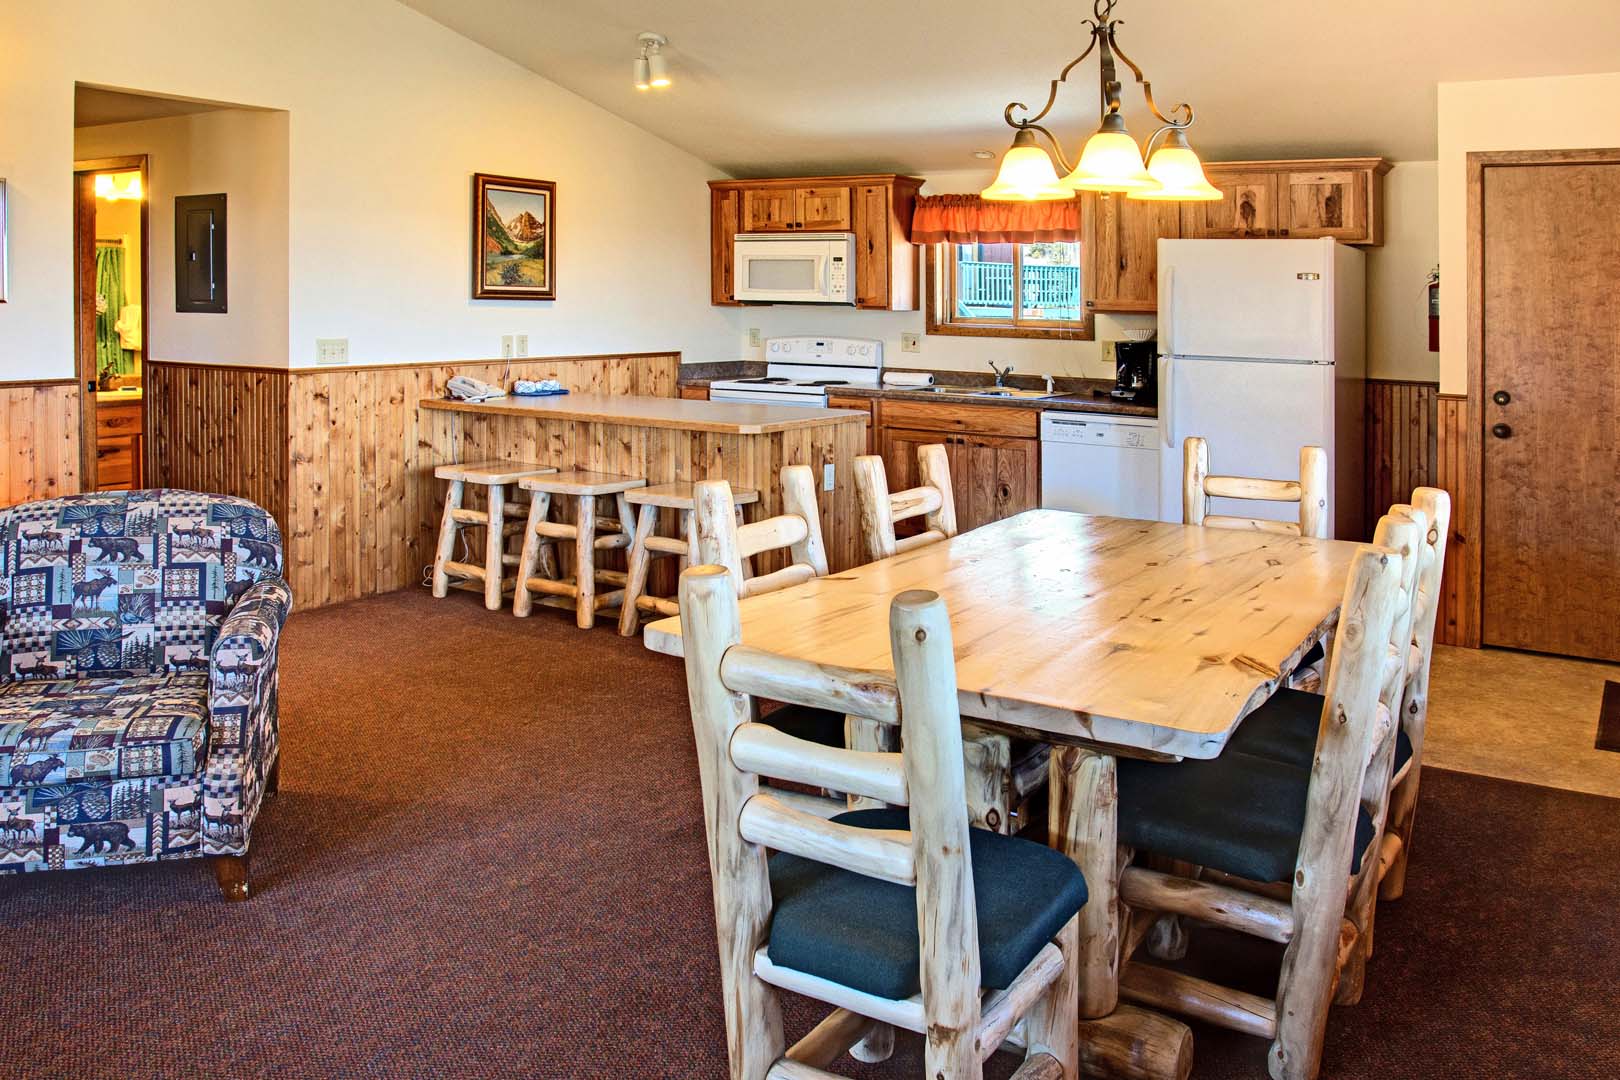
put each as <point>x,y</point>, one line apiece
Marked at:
<point>770,209</point>
<point>824,209</point>
<point>1318,203</point>
<point>1249,209</point>
<point>1119,246</point>
<point>872,244</point>
<point>723,221</point>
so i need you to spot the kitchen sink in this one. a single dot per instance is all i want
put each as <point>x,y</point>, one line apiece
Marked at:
<point>988,391</point>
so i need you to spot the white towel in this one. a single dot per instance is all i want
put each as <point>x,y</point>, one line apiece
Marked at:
<point>907,378</point>
<point>128,326</point>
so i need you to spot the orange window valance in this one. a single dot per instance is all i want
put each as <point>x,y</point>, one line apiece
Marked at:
<point>968,219</point>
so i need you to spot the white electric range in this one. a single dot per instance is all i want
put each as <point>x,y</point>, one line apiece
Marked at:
<point>799,371</point>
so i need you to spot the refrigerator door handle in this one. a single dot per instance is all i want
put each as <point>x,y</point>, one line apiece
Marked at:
<point>1167,319</point>
<point>1166,376</point>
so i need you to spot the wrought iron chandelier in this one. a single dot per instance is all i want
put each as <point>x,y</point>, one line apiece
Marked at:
<point>1110,161</point>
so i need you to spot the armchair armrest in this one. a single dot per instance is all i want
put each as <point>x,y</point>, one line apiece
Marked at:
<point>242,667</point>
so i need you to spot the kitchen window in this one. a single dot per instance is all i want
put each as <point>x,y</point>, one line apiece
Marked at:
<point>1007,290</point>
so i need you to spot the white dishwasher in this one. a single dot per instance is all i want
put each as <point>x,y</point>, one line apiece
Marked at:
<point>1100,463</point>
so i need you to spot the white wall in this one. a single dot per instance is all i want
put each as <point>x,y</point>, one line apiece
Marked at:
<point>1562,113</point>
<point>389,116</point>
<point>242,153</point>
<point>1397,301</point>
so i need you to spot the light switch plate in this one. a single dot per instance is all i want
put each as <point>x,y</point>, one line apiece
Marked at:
<point>332,350</point>
<point>754,340</point>
<point>521,344</point>
<point>911,343</point>
<point>506,346</point>
<point>827,477</point>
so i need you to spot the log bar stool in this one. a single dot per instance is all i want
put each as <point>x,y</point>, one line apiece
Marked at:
<point>495,477</point>
<point>584,487</point>
<point>647,545</point>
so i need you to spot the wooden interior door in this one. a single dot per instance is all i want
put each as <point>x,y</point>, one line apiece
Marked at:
<point>1550,575</point>
<point>84,322</point>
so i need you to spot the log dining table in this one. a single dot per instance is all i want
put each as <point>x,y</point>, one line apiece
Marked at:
<point>1105,637</point>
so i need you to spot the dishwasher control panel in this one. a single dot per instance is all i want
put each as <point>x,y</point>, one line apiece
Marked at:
<point>1096,429</point>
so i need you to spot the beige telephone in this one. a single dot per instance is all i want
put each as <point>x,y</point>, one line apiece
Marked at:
<point>466,388</point>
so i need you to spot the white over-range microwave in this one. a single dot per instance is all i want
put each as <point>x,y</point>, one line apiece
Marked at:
<point>804,268</point>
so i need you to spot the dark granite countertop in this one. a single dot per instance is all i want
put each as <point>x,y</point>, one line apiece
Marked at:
<point>1075,395</point>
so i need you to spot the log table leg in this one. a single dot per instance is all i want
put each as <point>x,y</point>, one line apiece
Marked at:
<point>1117,1042</point>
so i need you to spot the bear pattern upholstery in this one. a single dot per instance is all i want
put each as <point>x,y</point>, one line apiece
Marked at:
<point>113,608</point>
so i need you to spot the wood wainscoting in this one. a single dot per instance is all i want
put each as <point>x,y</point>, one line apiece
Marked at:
<point>39,458</point>
<point>1416,437</point>
<point>219,428</point>
<point>339,454</point>
<point>364,504</point>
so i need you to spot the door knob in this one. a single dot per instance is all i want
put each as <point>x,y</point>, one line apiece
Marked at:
<point>1501,431</point>
<point>1501,397</point>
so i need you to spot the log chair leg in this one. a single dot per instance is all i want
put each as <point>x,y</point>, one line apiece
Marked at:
<point>495,547</point>
<point>1083,794</point>
<point>1402,817</point>
<point>533,542</point>
<point>447,540</point>
<point>585,562</point>
<point>877,1046</point>
<point>231,871</point>
<point>635,580</point>
<point>1050,1026</point>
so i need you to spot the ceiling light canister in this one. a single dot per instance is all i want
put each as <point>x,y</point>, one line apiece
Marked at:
<point>658,69</point>
<point>643,75</point>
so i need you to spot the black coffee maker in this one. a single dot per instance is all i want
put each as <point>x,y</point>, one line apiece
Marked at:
<point>1136,375</point>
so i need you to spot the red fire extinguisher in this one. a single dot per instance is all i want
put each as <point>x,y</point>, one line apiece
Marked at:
<point>1434,310</point>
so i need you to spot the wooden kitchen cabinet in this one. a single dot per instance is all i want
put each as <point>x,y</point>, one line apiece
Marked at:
<point>120,446</point>
<point>876,208</point>
<point>695,392</point>
<point>1338,197</point>
<point>994,454</point>
<point>860,405</point>
<point>787,209</point>
<point>1120,250</point>
<point>1248,210</point>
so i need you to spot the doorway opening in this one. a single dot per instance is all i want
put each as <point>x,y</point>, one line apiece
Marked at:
<point>111,273</point>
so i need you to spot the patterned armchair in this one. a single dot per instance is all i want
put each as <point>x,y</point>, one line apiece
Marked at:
<point>138,639</point>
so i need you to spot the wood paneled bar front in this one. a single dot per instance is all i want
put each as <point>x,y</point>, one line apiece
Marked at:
<point>665,440</point>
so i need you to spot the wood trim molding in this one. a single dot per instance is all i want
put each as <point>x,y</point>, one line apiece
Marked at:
<point>11,384</point>
<point>312,369</point>
<point>817,181</point>
<point>217,365</point>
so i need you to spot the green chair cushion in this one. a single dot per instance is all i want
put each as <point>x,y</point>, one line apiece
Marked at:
<point>1284,729</point>
<point>862,932</point>
<point>1237,813</point>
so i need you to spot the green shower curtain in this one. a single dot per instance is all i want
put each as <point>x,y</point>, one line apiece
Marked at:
<point>110,351</point>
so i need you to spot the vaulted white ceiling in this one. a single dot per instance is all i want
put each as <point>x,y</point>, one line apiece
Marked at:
<point>903,85</point>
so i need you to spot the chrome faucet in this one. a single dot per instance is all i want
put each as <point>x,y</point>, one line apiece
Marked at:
<point>1001,373</point>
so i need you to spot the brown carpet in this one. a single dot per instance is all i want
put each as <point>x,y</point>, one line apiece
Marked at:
<point>487,860</point>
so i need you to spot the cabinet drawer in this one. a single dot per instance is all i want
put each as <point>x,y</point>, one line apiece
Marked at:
<point>695,393</point>
<point>969,419</point>
<point>117,421</point>
<point>115,464</point>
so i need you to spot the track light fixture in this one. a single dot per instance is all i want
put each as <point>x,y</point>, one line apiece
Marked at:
<point>650,70</point>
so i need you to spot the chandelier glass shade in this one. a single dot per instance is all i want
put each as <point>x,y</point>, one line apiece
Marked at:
<point>1111,160</point>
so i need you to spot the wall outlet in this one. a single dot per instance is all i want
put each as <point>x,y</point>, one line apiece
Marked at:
<point>754,340</point>
<point>506,346</point>
<point>332,350</point>
<point>1108,353</point>
<point>520,344</point>
<point>827,477</point>
<point>911,343</point>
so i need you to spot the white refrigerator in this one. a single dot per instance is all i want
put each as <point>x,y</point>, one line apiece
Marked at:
<point>1262,351</point>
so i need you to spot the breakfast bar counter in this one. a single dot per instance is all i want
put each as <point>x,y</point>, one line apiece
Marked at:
<point>664,440</point>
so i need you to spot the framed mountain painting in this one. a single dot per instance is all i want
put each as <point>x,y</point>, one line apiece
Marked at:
<point>514,238</point>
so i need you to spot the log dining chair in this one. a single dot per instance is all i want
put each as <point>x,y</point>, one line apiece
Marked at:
<point>1310,491</point>
<point>1003,774</point>
<point>1284,728</point>
<point>1279,852</point>
<point>720,541</point>
<point>901,917</point>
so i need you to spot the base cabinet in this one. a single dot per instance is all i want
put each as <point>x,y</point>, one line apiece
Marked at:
<point>994,476</point>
